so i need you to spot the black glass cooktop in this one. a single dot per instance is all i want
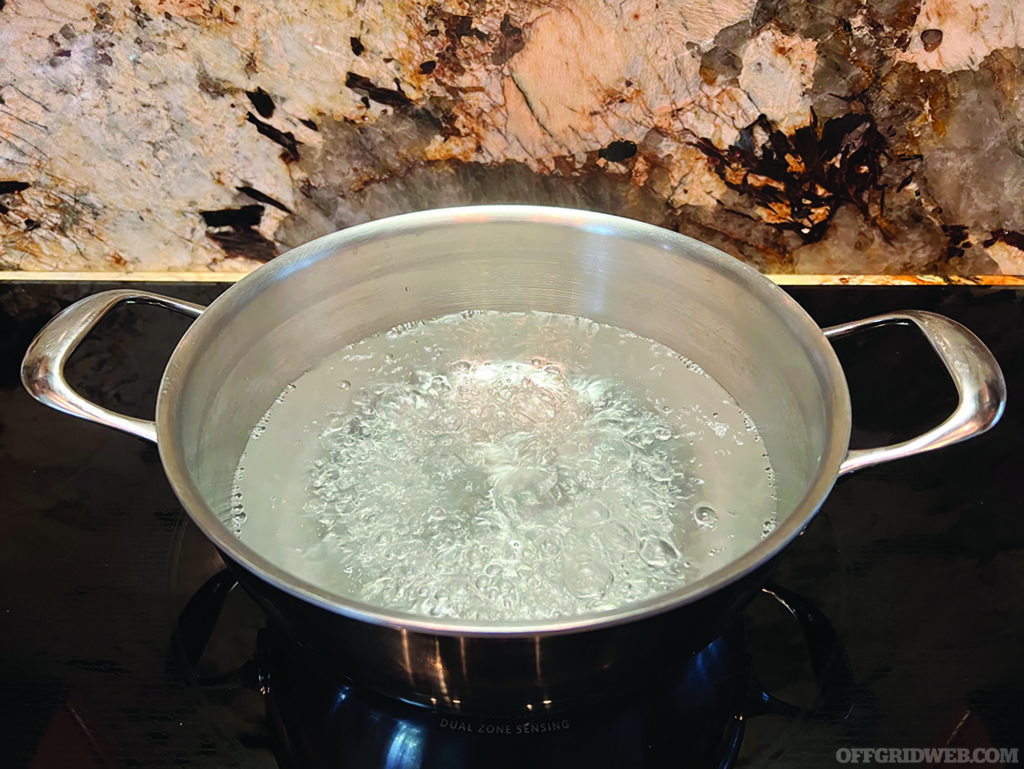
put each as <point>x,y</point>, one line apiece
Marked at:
<point>122,644</point>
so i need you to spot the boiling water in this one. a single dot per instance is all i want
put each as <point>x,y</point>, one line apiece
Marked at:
<point>503,466</point>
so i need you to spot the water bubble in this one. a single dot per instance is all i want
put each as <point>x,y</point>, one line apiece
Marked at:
<point>657,551</point>
<point>649,508</point>
<point>705,516</point>
<point>548,546</point>
<point>280,398</point>
<point>344,384</point>
<point>661,470</point>
<point>618,538</point>
<point>584,577</point>
<point>590,513</point>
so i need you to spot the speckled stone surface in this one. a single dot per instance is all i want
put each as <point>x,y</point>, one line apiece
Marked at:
<point>839,136</point>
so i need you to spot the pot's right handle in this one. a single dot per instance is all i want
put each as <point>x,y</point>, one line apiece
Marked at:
<point>42,370</point>
<point>978,379</point>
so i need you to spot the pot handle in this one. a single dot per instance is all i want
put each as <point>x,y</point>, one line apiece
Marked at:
<point>829,660</point>
<point>975,372</point>
<point>42,369</point>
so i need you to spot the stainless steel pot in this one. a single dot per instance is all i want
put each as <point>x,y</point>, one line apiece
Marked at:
<point>278,322</point>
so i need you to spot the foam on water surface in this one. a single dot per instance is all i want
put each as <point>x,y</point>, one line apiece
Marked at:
<point>503,466</point>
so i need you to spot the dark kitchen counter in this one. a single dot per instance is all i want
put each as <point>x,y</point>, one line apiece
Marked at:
<point>919,563</point>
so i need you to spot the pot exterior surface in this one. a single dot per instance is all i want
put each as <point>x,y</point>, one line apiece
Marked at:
<point>286,317</point>
<point>524,674</point>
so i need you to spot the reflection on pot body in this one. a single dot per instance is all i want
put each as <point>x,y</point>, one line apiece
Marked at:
<point>286,317</point>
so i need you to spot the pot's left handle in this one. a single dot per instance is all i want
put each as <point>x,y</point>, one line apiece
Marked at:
<point>42,370</point>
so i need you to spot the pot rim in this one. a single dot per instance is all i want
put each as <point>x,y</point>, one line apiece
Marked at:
<point>674,244</point>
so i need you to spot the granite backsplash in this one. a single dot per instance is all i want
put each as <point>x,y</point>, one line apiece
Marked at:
<point>820,137</point>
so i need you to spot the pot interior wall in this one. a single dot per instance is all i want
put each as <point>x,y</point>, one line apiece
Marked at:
<point>276,324</point>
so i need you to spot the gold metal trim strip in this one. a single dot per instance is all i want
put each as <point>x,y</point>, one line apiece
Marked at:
<point>14,276</point>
